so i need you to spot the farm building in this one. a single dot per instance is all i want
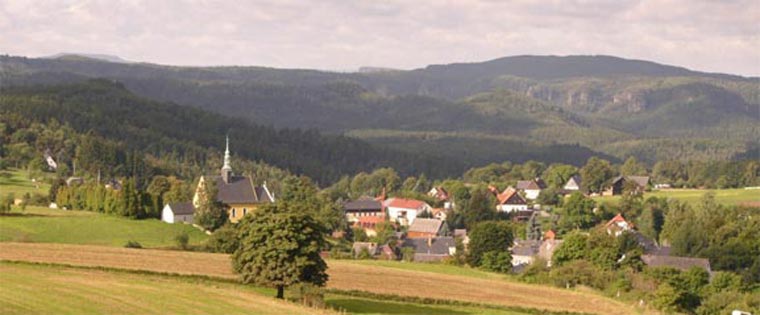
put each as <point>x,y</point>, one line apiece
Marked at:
<point>178,212</point>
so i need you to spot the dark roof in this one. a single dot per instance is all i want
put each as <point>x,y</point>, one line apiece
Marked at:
<point>423,225</point>
<point>440,245</point>
<point>681,263</point>
<point>240,189</point>
<point>181,208</point>
<point>363,205</point>
<point>531,184</point>
<point>526,248</point>
<point>641,181</point>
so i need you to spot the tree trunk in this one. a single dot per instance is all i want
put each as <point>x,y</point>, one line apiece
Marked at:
<point>280,292</point>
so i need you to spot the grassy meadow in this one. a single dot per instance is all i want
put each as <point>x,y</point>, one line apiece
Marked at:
<point>43,225</point>
<point>723,196</point>
<point>18,183</point>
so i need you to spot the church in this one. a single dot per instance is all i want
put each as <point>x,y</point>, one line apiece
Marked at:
<point>238,193</point>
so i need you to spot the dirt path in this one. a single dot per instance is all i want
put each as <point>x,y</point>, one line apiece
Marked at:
<point>344,275</point>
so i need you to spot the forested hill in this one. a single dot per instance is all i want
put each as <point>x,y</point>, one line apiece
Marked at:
<point>509,108</point>
<point>106,109</point>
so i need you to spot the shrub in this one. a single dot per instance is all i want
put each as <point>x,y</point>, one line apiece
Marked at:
<point>497,261</point>
<point>407,254</point>
<point>309,295</point>
<point>224,240</point>
<point>132,244</point>
<point>182,240</point>
<point>6,203</point>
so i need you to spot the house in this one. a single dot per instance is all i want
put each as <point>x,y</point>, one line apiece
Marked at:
<point>531,188</point>
<point>363,207</point>
<point>439,213</point>
<point>573,184</point>
<point>524,252</point>
<point>509,200</point>
<point>359,247</point>
<point>618,225</point>
<point>52,165</point>
<point>431,249</point>
<point>546,251</point>
<point>405,211</point>
<point>369,224</point>
<point>238,193</point>
<point>178,212</point>
<point>522,215</point>
<point>71,181</point>
<point>440,194</point>
<point>618,184</point>
<point>424,228</point>
<point>680,263</point>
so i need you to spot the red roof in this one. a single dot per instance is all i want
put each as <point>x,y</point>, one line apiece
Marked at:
<point>405,203</point>
<point>369,221</point>
<point>507,194</point>
<point>618,218</point>
<point>549,235</point>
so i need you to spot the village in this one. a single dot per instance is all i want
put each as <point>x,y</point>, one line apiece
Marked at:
<point>420,232</point>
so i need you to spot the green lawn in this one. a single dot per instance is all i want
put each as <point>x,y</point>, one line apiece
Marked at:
<point>724,196</point>
<point>18,183</point>
<point>39,224</point>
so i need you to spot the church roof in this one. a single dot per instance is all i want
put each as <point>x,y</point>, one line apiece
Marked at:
<point>240,189</point>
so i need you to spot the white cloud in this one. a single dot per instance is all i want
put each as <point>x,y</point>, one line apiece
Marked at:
<point>719,36</point>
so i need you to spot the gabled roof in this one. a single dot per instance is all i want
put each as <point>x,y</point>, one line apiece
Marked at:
<point>641,181</point>
<point>240,189</point>
<point>423,225</point>
<point>618,218</point>
<point>363,205</point>
<point>531,184</point>
<point>526,248</point>
<point>437,246</point>
<point>510,196</point>
<point>574,179</point>
<point>405,203</point>
<point>181,208</point>
<point>681,263</point>
<point>439,192</point>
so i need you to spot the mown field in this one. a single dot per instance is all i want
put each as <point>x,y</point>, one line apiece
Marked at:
<point>55,289</point>
<point>723,196</point>
<point>344,275</point>
<point>43,225</point>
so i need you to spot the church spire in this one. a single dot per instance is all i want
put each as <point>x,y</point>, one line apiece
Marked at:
<point>226,168</point>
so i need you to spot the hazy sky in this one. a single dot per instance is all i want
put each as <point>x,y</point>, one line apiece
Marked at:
<point>715,36</point>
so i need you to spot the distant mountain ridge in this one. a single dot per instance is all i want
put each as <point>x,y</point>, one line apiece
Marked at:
<point>611,105</point>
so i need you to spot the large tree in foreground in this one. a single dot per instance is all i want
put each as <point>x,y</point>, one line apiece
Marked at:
<point>279,247</point>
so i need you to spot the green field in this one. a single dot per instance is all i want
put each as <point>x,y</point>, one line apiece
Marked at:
<point>42,225</point>
<point>51,289</point>
<point>724,196</point>
<point>18,183</point>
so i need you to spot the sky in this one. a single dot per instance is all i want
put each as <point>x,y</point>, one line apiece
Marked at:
<point>714,36</point>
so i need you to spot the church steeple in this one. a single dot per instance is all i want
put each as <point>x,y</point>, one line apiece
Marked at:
<point>226,168</point>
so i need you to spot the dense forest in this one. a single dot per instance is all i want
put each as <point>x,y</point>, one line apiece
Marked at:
<point>98,126</point>
<point>559,109</point>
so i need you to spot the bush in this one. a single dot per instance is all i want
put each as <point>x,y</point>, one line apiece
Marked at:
<point>497,261</point>
<point>38,199</point>
<point>132,244</point>
<point>224,240</point>
<point>6,203</point>
<point>309,295</point>
<point>182,240</point>
<point>407,254</point>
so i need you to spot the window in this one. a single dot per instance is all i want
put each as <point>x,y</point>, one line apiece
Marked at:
<point>233,212</point>
<point>245,211</point>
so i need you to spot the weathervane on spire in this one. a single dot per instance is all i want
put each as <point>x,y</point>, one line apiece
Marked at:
<point>226,168</point>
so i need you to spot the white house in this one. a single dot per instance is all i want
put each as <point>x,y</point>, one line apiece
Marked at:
<point>178,212</point>
<point>404,211</point>
<point>573,184</point>
<point>531,188</point>
<point>509,200</point>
